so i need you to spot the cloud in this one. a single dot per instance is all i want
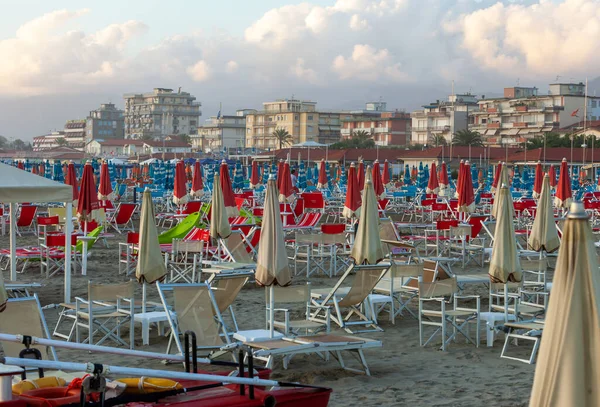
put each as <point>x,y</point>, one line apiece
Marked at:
<point>231,66</point>
<point>199,72</point>
<point>369,64</point>
<point>300,71</point>
<point>357,23</point>
<point>280,25</point>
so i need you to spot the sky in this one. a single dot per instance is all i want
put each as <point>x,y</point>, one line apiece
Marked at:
<point>61,59</point>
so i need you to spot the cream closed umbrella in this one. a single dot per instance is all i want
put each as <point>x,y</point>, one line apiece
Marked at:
<point>367,247</point>
<point>219,221</point>
<point>505,265</point>
<point>568,365</point>
<point>272,267</point>
<point>150,266</point>
<point>503,181</point>
<point>544,235</point>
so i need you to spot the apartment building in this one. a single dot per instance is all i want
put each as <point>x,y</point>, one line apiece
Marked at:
<point>113,147</point>
<point>442,118</point>
<point>75,133</point>
<point>523,113</point>
<point>160,113</point>
<point>389,129</point>
<point>107,122</point>
<point>222,133</point>
<point>48,141</point>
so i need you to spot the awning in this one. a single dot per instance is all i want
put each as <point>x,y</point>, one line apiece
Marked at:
<point>512,132</point>
<point>546,129</point>
<point>491,132</point>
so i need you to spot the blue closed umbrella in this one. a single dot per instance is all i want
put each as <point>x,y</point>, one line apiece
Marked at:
<point>407,175</point>
<point>301,182</point>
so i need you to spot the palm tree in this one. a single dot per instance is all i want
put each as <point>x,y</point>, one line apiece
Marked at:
<point>61,142</point>
<point>437,140</point>
<point>282,136</point>
<point>467,138</point>
<point>362,134</point>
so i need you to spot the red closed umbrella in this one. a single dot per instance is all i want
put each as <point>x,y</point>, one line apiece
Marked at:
<point>360,177</point>
<point>71,179</point>
<point>20,165</point>
<point>433,185</point>
<point>353,198</point>
<point>377,183</point>
<point>279,173</point>
<point>552,175</point>
<point>180,195</point>
<point>466,198</point>
<point>34,169</point>
<point>105,189</point>
<point>228,197</point>
<point>197,186</point>
<point>385,177</point>
<point>539,179</point>
<point>188,172</point>
<point>254,178</point>
<point>459,180</point>
<point>87,203</point>
<point>286,190</point>
<point>42,170</point>
<point>443,181</point>
<point>322,182</point>
<point>497,176</point>
<point>563,196</point>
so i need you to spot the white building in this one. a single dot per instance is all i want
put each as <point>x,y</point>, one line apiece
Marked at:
<point>113,148</point>
<point>225,132</point>
<point>165,146</point>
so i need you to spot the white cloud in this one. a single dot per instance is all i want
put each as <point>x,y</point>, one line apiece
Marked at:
<point>231,67</point>
<point>358,24</point>
<point>300,71</point>
<point>378,7</point>
<point>200,71</point>
<point>369,64</point>
<point>277,26</point>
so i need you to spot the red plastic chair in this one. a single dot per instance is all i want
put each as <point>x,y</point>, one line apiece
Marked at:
<point>122,219</point>
<point>47,224</point>
<point>313,201</point>
<point>333,228</point>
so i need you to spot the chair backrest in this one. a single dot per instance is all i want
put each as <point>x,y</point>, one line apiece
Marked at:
<point>445,224</point>
<point>192,207</point>
<point>61,212</point>
<point>58,240</point>
<point>299,207</point>
<point>459,232</point>
<point>387,230</point>
<point>365,280</point>
<point>48,220</point>
<point>290,294</point>
<point>236,248</point>
<point>187,246</point>
<point>226,287</point>
<point>110,292</point>
<point>440,288</point>
<point>27,215</point>
<point>124,212</point>
<point>333,228</point>
<point>313,200</point>
<point>257,211</point>
<point>24,316</point>
<point>133,237</point>
<point>476,224</point>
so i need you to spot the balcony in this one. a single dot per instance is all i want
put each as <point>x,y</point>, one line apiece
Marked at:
<point>431,128</point>
<point>493,125</point>
<point>492,110</point>
<point>382,130</point>
<point>520,124</point>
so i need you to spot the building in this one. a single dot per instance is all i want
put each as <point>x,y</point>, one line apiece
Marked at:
<point>222,132</point>
<point>512,119</point>
<point>107,122</point>
<point>165,146</point>
<point>74,133</point>
<point>442,118</point>
<point>113,148</point>
<point>390,129</point>
<point>160,113</point>
<point>49,141</point>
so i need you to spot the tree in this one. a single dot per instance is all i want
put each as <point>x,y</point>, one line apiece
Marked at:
<point>467,138</point>
<point>359,139</point>
<point>185,138</point>
<point>147,137</point>
<point>61,142</point>
<point>437,140</point>
<point>283,137</point>
<point>20,145</point>
<point>3,142</point>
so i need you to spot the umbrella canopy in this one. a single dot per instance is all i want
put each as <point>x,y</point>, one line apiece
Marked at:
<point>385,177</point>
<point>539,178</point>
<point>301,183</point>
<point>21,165</point>
<point>504,264</point>
<point>377,183</point>
<point>568,365</point>
<point>433,186</point>
<point>71,179</point>
<point>180,195</point>
<point>360,176</point>
<point>151,265</point>
<point>272,267</point>
<point>105,191</point>
<point>286,190</point>
<point>497,176</point>
<point>544,235</point>
<point>367,244</point>
<point>443,179</point>
<point>459,179</point>
<point>503,181</point>
<point>406,180</point>
<point>35,169</point>
<point>87,204</point>
<point>322,182</point>
<point>238,177</point>
<point>353,200</point>
<point>228,197</point>
<point>197,185</point>
<point>552,175</point>
<point>466,198</point>
<point>219,220</point>
<point>254,179</point>
<point>279,173</point>
<point>563,196</point>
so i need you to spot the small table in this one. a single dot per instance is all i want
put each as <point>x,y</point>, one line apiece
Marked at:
<point>147,318</point>
<point>85,240</point>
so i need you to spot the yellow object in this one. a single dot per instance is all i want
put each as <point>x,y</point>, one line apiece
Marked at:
<point>144,385</point>
<point>44,382</point>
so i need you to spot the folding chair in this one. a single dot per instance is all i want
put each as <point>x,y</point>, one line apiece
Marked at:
<point>121,220</point>
<point>226,285</point>
<point>185,260</point>
<point>528,331</point>
<point>26,219</point>
<point>127,253</point>
<point>235,250</point>
<point>53,255</point>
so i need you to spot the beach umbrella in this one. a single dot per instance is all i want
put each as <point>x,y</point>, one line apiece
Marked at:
<point>526,179</point>
<point>497,177</point>
<point>386,176</point>
<point>552,176</point>
<point>322,183</point>
<point>150,266</point>
<point>516,179</point>
<point>377,183</point>
<point>544,235</point>
<point>344,177</point>
<point>254,179</point>
<point>219,219</point>
<point>353,199</point>
<point>180,194</point>
<point>433,185</point>
<point>35,169</point>
<point>279,172</point>
<point>238,177</point>
<point>105,191</point>
<point>490,176</point>
<point>459,179</point>
<point>406,180</point>
<point>466,198</point>
<point>228,197</point>
<point>443,178</point>
<point>413,174</point>
<point>480,178</point>
<point>272,266</point>
<point>286,190</point>
<point>504,264</point>
<point>188,172</point>
<point>47,170</point>
<point>360,176</point>
<point>57,174</point>
<point>568,365</point>
<point>563,195</point>
<point>71,179</point>
<point>421,180</point>
<point>301,182</point>
<point>197,184</point>
<point>21,165</point>
<point>539,178</point>
<point>575,177</point>
<point>367,248</point>
<point>474,178</point>
<point>87,202</point>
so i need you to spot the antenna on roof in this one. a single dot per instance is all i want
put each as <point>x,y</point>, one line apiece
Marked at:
<point>518,81</point>
<point>557,78</point>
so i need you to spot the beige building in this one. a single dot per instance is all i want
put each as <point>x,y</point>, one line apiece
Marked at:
<point>221,132</point>
<point>160,113</point>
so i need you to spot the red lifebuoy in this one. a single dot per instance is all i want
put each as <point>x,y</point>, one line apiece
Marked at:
<point>51,396</point>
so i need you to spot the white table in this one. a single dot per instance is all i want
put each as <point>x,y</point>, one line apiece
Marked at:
<point>147,318</point>
<point>84,252</point>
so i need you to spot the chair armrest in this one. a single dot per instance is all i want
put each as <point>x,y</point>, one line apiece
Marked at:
<point>468,296</point>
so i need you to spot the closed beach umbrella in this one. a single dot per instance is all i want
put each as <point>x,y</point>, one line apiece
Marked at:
<point>537,183</point>
<point>238,177</point>
<point>552,175</point>
<point>459,179</point>
<point>353,200</point>
<point>504,264</point>
<point>105,190</point>
<point>322,183</point>
<point>197,184</point>
<point>87,204</point>
<point>466,198</point>
<point>279,173</point>
<point>544,235</point>
<point>286,190</point>
<point>219,220</point>
<point>367,247</point>
<point>180,195</point>
<point>35,169</point>
<point>563,196</point>
<point>503,181</point>
<point>21,165</point>
<point>433,185</point>
<point>406,180</point>
<point>568,367</point>
<point>360,176</point>
<point>377,183</point>
<point>254,179</point>
<point>385,177</point>
<point>497,177</point>
<point>443,178</point>
<point>301,182</point>
<point>71,179</point>
<point>228,197</point>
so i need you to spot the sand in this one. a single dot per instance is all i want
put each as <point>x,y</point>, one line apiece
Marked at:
<point>403,373</point>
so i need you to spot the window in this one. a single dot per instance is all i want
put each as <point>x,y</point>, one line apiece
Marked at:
<point>594,103</point>
<point>309,118</point>
<point>309,129</point>
<point>296,117</point>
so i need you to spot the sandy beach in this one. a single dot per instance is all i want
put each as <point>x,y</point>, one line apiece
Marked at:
<point>403,373</point>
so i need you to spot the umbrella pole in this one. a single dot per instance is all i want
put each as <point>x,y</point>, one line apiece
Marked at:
<point>144,288</point>
<point>13,241</point>
<point>272,310</point>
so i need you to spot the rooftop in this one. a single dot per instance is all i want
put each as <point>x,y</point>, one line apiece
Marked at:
<point>166,143</point>
<point>120,142</point>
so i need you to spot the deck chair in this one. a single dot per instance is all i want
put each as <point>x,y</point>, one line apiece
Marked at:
<point>121,220</point>
<point>185,260</point>
<point>61,212</point>
<point>449,318</point>
<point>528,331</point>
<point>26,219</point>
<point>351,298</point>
<point>226,286</point>
<point>24,316</point>
<point>235,249</point>
<point>128,254</point>
<point>192,307</point>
